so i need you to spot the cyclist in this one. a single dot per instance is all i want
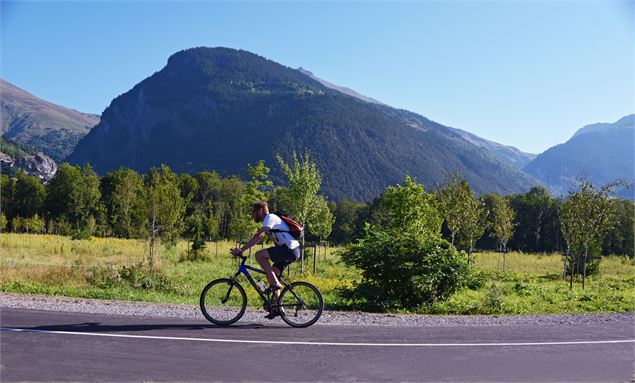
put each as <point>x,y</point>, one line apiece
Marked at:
<point>285,251</point>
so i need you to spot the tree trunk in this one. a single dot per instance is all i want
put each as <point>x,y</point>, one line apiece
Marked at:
<point>498,259</point>
<point>152,240</point>
<point>504,257</point>
<point>302,256</point>
<point>586,251</point>
<point>572,272</point>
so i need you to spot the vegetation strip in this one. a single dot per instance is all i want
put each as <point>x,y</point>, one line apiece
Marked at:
<point>215,340</point>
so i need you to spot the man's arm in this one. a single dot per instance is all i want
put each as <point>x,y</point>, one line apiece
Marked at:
<point>253,241</point>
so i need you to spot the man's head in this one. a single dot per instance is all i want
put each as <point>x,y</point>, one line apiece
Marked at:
<point>259,210</point>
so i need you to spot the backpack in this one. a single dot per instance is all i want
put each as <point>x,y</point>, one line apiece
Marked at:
<point>295,229</point>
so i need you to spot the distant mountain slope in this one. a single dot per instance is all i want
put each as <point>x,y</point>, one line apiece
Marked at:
<point>219,108</point>
<point>603,152</point>
<point>51,128</point>
<point>508,154</point>
<point>341,89</point>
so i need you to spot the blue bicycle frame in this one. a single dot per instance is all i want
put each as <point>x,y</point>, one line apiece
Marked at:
<point>244,270</point>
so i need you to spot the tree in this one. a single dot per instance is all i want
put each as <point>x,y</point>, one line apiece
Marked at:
<point>620,240</point>
<point>304,181</point>
<point>348,221</point>
<point>125,203</point>
<point>28,195</point>
<point>503,223</point>
<point>74,195</point>
<point>207,202</point>
<point>255,190</point>
<point>165,206</point>
<point>6,196</point>
<point>537,221</point>
<point>33,224</point>
<point>320,222</point>
<point>408,208</point>
<point>450,198</point>
<point>586,216</point>
<point>17,224</point>
<point>463,213</point>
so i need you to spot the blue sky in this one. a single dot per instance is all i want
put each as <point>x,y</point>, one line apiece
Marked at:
<point>522,73</point>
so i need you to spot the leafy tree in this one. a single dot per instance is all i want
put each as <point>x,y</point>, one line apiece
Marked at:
<point>403,259</point>
<point>409,208</point>
<point>17,224</point>
<point>503,223</point>
<point>6,196</point>
<point>125,202</point>
<point>451,200</point>
<point>304,181</point>
<point>207,202</point>
<point>349,219</point>
<point>189,188</point>
<point>403,269</point>
<point>464,214</point>
<point>165,206</point>
<point>33,224</point>
<point>586,216</point>
<point>254,191</point>
<point>620,239</point>
<point>320,222</point>
<point>73,194</point>
<point>231,207</point>
<point>28,195</point>
<point>259,183</point>
<point>537,221</point>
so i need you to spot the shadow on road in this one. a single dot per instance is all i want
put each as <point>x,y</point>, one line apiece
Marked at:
<point>97,327</point>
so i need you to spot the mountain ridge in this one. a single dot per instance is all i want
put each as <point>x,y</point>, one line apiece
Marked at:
<point>220,108</point>
<point>50,128</point>
<point>602,152</point>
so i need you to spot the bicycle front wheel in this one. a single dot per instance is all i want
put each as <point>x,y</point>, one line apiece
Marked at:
<point>301,304</point>
<point>223,301</point>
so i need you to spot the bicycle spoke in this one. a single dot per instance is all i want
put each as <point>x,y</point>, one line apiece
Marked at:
<point>223,302</point>
<point>303,304</point>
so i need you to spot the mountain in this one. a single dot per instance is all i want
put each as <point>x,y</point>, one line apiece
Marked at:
<point>15,157</point>
<point>50,128</point>
<point>602,152</point>
<point>219,109</point>
<point>341,89</point>
<point>507,154</point>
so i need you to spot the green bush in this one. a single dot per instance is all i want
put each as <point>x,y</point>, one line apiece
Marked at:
<point>404,270</point>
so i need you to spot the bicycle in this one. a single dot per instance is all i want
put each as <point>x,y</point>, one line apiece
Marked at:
<point>223,301</point>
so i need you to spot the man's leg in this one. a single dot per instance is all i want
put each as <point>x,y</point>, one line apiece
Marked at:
<point>262,257</point>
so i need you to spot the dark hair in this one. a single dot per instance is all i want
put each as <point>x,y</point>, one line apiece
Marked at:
<point>259,205</point>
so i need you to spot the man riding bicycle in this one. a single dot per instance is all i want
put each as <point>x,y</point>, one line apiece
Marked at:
<point>285,251</point>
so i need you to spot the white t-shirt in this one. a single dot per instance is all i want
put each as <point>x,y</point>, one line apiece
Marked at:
<point>272,221</point>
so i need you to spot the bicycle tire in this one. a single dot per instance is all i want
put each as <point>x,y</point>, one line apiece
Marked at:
<point>216,301</point>
<point>307,310</point>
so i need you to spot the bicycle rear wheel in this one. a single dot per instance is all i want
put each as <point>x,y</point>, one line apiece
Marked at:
<point>301,304</point>
<point>223,301</point>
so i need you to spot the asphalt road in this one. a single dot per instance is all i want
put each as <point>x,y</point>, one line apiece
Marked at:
<point>54,346</point>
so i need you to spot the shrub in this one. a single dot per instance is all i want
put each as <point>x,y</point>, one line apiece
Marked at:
<point>404,270</point>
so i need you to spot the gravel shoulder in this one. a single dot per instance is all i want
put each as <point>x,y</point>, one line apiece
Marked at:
<point>182,311</point>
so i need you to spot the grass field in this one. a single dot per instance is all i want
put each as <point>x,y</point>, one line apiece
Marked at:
<point>110,268</point>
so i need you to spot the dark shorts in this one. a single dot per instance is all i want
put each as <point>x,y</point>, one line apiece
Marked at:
<point>282,256</point>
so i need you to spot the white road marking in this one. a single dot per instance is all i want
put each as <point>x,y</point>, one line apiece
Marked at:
<point>323,343</point>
